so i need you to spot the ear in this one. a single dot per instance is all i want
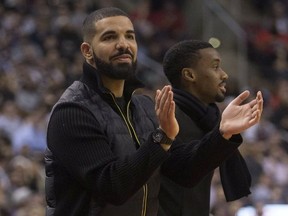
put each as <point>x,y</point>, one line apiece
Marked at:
<point>86,50</point>
<point>188,74</point>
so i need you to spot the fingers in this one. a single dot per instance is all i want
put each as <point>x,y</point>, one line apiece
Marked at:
<point>166,102</point>
<point>254,115</point>
<point>171,107</point>
<point>257,108</point>
<point>257,103</point>
<point>260,101</point>
<point>165,111</point>
<point>260,105</point>
<point>158,92</point>
<point>240,98</point>
<point>163,100</point>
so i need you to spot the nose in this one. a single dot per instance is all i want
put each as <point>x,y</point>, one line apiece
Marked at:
<point>224,75</point>
<point>122,44</point>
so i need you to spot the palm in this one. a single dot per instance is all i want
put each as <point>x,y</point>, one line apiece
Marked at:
<point>237,117</point>
<point>165,111</point>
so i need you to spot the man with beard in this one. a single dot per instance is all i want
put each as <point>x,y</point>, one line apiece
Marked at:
<point>194,70</point>
<point>105,145</point>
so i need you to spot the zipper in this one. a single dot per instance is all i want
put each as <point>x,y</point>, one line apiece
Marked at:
<point>145,198</point>
<point>133,132</point>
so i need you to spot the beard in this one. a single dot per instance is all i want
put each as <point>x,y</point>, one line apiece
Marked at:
<point>219,98</point>
<point>119,72</point>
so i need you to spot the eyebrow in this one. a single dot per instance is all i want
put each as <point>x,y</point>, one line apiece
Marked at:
<point>113,32</point>
<point>217,60</point>
<point>130,32</point>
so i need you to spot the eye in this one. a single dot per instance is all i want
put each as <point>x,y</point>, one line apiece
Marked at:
<point>109,37</point>
<point>130,36</point>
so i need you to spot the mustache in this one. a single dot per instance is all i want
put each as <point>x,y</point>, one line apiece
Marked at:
<point>122,53</point>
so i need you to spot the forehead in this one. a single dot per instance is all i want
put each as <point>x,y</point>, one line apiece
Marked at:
<point>209,54</point>
<point>114,24</point>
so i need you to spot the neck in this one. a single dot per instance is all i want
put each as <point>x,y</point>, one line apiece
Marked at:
<point>195,94</point>
<point>115,86</point>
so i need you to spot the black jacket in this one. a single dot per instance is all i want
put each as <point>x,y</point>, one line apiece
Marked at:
<point>195,120</point>
<point>100,162</point>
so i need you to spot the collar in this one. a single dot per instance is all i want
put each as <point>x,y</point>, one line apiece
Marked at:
<point>92,79</point>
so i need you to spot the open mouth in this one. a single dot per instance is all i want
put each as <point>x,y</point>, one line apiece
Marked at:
<point>222,87</point>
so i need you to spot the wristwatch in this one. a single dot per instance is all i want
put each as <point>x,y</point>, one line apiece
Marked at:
<point>159,136</point>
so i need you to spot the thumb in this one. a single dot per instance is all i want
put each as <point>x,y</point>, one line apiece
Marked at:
<point>240,98</point>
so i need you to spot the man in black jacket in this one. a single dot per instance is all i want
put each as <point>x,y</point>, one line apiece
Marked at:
<point>106,145</point>
<point>194,70</point>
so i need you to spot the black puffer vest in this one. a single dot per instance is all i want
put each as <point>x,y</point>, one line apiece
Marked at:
<point>129,135</point>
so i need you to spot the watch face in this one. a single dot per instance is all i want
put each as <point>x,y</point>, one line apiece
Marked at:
<point>157,136</point>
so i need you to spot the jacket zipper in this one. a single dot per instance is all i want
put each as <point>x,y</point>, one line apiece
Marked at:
<point>132,131</point>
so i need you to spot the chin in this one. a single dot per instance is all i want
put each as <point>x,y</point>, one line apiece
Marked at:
<point>220,97</point>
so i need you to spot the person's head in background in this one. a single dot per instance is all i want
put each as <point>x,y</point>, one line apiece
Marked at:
<point>109,43</point>
<point>194,66</point>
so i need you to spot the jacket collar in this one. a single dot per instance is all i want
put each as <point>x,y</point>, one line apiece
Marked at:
<point>91,78</point>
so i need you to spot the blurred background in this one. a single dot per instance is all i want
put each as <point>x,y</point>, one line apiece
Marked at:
<point>40,57</point>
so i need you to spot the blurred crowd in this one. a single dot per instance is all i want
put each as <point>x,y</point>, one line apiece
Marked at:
<point>40,57</point>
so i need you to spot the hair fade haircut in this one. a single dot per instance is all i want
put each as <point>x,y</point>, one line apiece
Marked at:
<point>89,29</point>
<point>184,54</point>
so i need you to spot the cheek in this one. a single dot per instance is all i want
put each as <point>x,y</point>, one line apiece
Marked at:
<point>211,79</point>
<point>102,55</point>
<point>134,50</point>
<point>103,52</point>
<point>135,57</point>
<point>209,84</point>
<point>207,81</point>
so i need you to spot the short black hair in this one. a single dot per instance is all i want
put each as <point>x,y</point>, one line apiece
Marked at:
<point>88,28</point>
<point>182,54</point>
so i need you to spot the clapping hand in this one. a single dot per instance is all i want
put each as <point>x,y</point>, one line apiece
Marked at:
<point>165,111</point>
<point>237,117</point>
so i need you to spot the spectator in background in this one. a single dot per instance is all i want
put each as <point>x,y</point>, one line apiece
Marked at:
<point>6,154</point>
<point>268,41</point>
<point>10,118</point>
<point>278,19</point>
<point>31,135</point>
<point>280,114</point>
